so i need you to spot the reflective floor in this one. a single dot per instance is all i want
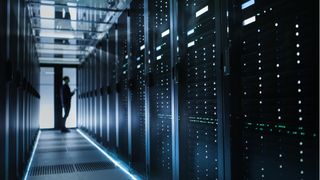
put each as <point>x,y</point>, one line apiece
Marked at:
<point>70,156</point>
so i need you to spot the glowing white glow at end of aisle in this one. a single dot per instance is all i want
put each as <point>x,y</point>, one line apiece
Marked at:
<point>32,156</point>
<point>108,156</point>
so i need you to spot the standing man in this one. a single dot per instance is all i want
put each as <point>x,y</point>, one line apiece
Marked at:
<point>66,95</point>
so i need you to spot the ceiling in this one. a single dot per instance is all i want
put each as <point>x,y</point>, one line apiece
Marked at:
<point>67,31</point>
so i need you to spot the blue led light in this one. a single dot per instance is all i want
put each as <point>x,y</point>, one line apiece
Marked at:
<point>32,156</point>
<point>247,4</point>
<point>117,163</point>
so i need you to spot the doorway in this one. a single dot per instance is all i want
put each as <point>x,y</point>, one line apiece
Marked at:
<point>50,103</point>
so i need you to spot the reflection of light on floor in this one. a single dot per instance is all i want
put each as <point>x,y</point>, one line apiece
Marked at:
<point>32,156</point>
<point>117,163</point>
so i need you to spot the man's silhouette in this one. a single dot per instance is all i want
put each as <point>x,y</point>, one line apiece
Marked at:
<point>66,95</point>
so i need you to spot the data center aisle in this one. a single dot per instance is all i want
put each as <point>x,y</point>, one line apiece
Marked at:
<point>70,156</point>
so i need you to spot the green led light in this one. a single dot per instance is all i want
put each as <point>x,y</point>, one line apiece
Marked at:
<point>282,126</point>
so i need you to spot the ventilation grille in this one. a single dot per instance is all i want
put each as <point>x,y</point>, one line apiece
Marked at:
<point>70,168</point>
<point>94,166</point>
<point>55,169</point>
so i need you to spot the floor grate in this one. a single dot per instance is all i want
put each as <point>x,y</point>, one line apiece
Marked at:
<point>94,166</point>
<point>54,169</point>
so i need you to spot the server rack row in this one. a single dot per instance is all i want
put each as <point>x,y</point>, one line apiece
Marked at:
<point>19,89</point>
<point>207,89</point>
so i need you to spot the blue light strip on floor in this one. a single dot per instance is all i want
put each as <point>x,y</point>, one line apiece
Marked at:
<point>32,155</point>
<point>117,163</point>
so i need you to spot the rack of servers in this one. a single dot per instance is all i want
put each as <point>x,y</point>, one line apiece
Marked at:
<point>207,89</point>
<point>185,89</point>
<point>19,86</point>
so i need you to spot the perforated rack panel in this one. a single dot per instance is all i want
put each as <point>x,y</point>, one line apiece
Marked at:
<point>122,68</point>
<point>103,89</point>
<point>160,90</point>
<point>137,73</point>
<point>199,92</point>
<point>279,89</point>
<point>112,84</point>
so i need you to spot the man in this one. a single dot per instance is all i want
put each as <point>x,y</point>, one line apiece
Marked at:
<point>66,95</point>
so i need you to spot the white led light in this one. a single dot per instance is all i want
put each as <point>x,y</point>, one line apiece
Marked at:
<point>202,11</point>
<point>165,33</point>
<point>249,20</point>
<point>190,32</point>
<point>247,4</point>
<point>32,156</point>
<point>124,169</point>
<point>159,57</point>
<point>158,48</point>
<point>142,47</point>
<point>191,43</point>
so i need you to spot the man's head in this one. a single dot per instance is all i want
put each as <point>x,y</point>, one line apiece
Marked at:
<point>66,79</point>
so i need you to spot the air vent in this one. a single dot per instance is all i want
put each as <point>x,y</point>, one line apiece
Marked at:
<point>55,169</point>
<point>94,166</point>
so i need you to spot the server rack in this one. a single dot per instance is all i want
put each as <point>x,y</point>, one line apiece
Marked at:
<point>122,84</point>
<point>275,46</point>
<point>137,87</point>
<point>19,90</point>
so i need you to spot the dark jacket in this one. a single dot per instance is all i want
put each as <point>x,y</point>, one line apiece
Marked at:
<point>66,95</point>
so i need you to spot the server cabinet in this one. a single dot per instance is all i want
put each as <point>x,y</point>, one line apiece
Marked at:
<point>3,81</point>
<point>276,47</point>
<point>122,85</point>
<point>12,90</point>
<point>90,101</point>
<point>160,77</point>
<point>137,86</point>
<point>105,81</point>
<point>98,91</point>
<point>198,94</point>
<point>112,85</point>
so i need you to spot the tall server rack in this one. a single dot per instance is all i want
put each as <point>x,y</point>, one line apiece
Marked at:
<point>275,46</point>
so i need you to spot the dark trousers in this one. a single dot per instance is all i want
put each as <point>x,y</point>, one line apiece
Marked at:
<point>66,114</point>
